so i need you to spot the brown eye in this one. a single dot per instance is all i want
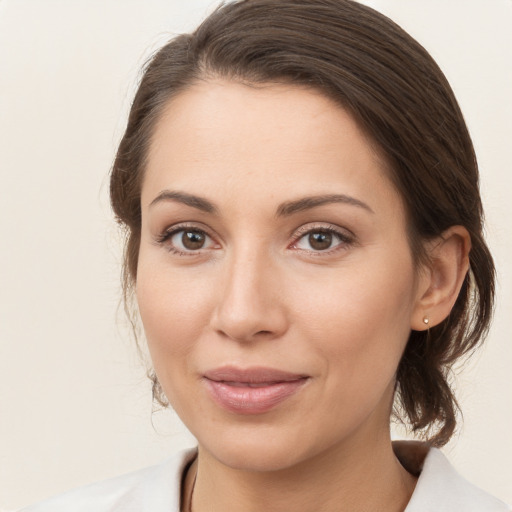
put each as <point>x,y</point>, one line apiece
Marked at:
<point>193,240</point>
<point>320,241</point>
<point>189,240</point>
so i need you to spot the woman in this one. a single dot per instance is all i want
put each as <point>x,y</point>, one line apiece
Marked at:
<point>304,243</point>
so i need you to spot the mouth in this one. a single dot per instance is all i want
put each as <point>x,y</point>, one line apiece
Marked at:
<point>253,390</point>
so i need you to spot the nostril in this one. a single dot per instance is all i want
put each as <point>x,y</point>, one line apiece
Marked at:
<point>264,332</point>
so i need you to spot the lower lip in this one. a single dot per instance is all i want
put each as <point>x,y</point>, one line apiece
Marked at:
<point>252,400</point>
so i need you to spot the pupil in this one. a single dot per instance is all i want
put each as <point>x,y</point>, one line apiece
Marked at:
<point>192,240</point>
<point>320,241</point>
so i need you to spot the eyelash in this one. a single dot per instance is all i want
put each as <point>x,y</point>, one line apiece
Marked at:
<point>167,235</point>
<point>345,240</point>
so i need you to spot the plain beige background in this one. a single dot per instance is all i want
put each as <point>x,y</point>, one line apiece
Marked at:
<point>74,403</point>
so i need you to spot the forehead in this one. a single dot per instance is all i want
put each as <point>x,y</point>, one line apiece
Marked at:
<point>277,139</point>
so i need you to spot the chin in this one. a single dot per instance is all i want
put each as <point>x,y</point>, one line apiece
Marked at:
<point>262,448</point>
<point>255,457</point>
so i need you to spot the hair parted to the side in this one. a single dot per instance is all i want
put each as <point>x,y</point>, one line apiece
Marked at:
<point>402,101</point>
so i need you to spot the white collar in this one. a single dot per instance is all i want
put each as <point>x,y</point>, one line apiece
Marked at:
<point>441,489</point>
<point>157,489</point>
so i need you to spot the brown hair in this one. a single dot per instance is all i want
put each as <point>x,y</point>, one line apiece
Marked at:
<point>399,97</point>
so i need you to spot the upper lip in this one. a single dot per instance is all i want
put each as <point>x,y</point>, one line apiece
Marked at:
<point>252,375</point>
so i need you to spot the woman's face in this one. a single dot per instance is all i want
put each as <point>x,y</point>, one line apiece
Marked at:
<point>275,280</point>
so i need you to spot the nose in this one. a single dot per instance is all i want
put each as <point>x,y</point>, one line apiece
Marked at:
<point>250,303</point>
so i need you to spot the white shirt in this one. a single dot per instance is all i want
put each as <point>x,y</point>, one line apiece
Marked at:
<point>157,489</point>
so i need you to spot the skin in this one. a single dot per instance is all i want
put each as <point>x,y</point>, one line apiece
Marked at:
<point>259,293</point>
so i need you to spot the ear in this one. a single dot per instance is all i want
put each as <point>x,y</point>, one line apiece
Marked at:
<point>440,280</point>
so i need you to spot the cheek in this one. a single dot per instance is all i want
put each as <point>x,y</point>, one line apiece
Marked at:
<point>360,337</point>
<point>174,309</point>
<point>361,319</point>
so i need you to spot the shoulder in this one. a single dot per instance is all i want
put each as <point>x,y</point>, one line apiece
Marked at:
<point>441,488</point>
<point>155,489</point>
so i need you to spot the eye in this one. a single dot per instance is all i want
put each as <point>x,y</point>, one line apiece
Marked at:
<point>318,241</point>
<point>321,240</point>
<point>182,240</point>
<point>189,240</point>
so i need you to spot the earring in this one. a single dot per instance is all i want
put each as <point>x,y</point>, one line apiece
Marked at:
<point>425,320</point>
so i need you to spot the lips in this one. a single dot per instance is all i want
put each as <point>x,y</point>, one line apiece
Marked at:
<point>251,391</point>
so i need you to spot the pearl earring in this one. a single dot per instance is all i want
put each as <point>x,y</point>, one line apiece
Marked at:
<point>425,320</point>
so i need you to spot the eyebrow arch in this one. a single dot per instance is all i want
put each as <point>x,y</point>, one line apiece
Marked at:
<point>291,207</point>
<point>200,203</point>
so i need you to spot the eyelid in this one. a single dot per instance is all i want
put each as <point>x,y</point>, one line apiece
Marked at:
<point>319,226</point>
<point>164,237</point>
<point>345,235</point>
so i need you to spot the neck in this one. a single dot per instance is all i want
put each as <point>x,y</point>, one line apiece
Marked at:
<point>366,476</point>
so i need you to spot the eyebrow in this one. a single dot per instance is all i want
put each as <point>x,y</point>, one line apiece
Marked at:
<point>306,203</point>
<point>284,210</point>
<point>200,203</point>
